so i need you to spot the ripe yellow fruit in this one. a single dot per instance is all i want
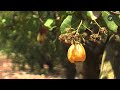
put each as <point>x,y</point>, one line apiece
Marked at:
<point>76,52</point>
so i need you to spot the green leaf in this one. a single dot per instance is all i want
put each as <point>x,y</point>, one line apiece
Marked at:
<point>110,23</point>
<point>70,12</point>
<point>91,15</point>
<point>66,23</point>
<point>72,21</point>
<point>75,22</point>
<point>50,24</point>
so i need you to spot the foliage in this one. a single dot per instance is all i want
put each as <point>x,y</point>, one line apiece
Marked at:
<point>19,31</point>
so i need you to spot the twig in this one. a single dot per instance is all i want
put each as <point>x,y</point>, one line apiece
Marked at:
<point>40,18</point>
<point>97,24</point>
<point>79,26</point>
<point>118,13</point>
<point>88,28</point>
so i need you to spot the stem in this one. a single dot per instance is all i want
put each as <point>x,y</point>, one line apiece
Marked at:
<point>79,26</point>
<point>97,24</point>
<point>78,29</point>
<point>41,20</point>
<point>98,32</point>
<point>40,17</point>
<point>88,29</point>
<point>83,39</point>
<point>72,42</point>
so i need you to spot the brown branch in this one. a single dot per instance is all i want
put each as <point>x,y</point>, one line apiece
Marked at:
<point>117,13</point>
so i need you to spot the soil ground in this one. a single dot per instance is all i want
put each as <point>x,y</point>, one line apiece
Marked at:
<point>6,71</point>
